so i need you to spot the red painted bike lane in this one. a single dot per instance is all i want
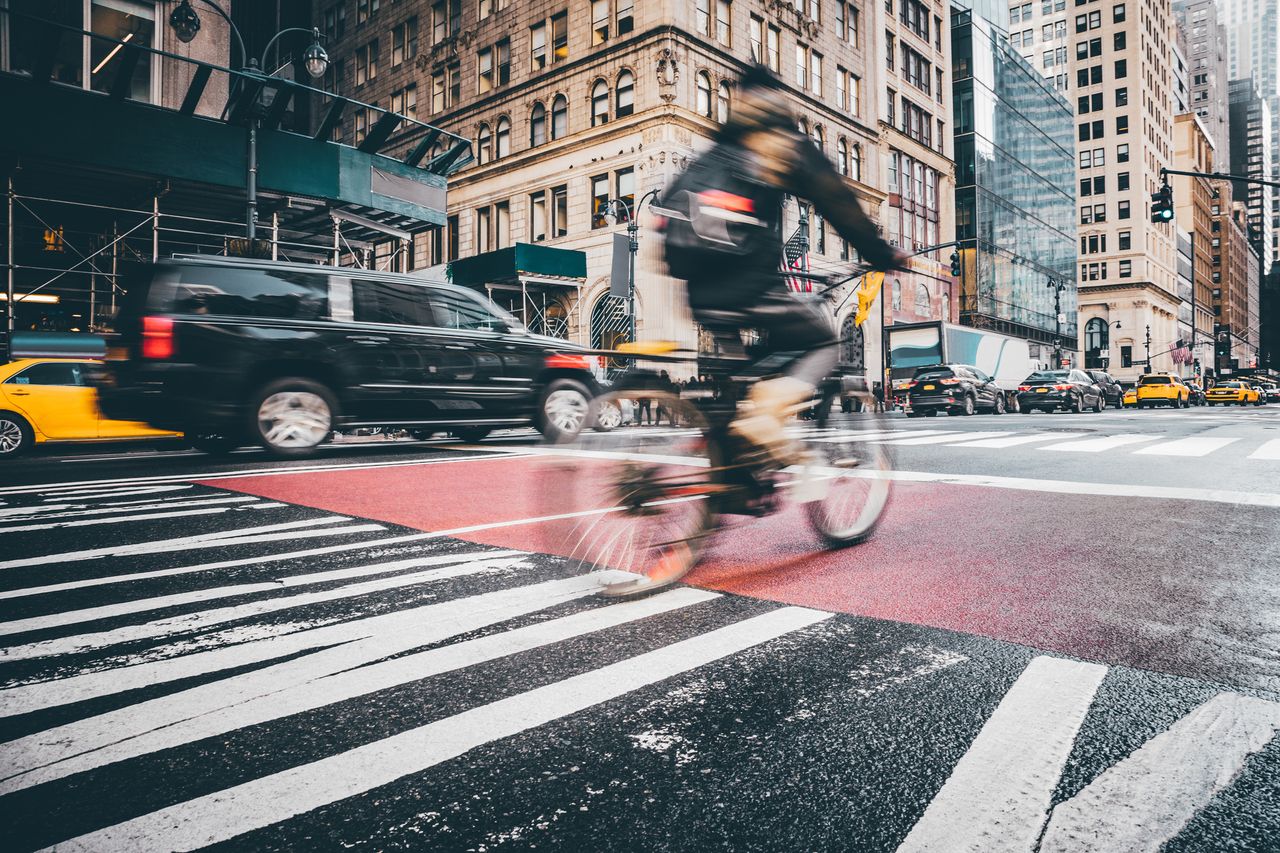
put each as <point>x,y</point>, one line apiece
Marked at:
<point>1026,567</point>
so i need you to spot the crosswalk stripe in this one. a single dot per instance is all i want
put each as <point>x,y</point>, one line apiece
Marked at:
<point>140,605</point>
<point>270,799</point>
<point>999,792</point>
<point>42,512</point>
<point>187,622</point>
<point>1097,445</point>
<point>54,493</point>
<point>1148,798</point>
<point>1193,446</point>
<point>146,516</point>
<point>946,439</point>
<point>236,703</point>
<point>1020,439</point>
<point>381,636</point>
<point>1269,450</point>
<point>263,533</point>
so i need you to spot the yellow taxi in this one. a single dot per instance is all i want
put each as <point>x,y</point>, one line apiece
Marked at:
<point>1130,398</point>
<point>1162,389</point>
<point>1232,391</point>
<point>47,399</point>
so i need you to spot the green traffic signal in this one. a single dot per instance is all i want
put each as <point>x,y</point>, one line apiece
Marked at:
<point>955,264</point>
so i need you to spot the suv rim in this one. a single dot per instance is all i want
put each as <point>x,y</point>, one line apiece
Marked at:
<point>610,416</point>
<point>565,409</point>
<point>10,435</point>
<point>294,419</point>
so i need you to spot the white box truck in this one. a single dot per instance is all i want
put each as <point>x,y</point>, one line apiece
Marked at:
<point>1005,359</point>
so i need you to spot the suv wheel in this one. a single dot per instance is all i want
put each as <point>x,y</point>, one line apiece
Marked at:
<point>212,443</point>
<point>471,434</point>
<point>608,416</point>
<point>563,411</point>
<point>15,435</point>
<point>293,416</point>
<point>999,407</point>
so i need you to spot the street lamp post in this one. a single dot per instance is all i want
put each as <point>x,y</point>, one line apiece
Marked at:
<point>186,24</point>
<point>633,247</point>
<point>1148,363</point>
<point>1057,288</point>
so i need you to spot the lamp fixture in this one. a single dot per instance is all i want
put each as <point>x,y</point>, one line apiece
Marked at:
<point>185,22</point>
<point>315,58</point>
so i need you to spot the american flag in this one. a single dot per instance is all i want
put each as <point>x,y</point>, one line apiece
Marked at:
<point>795,255</point>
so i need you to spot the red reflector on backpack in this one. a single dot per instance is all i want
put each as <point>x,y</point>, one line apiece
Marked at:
<point>727,201</point>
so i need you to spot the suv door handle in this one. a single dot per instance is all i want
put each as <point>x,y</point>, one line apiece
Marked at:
<point>456,346</point>
<point>368,340</point>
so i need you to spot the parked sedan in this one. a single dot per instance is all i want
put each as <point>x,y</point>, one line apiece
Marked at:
<point>1162,389</point>
<point>1071,390</point>
<point>47,400</point>
<point>960,389</point>
<point>1197,394</point>
<point>1111,389</point>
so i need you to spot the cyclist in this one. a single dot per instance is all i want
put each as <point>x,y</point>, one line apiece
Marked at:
<point>760,155</point>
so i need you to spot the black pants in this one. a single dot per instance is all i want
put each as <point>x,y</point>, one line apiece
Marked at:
<point>790,323</point>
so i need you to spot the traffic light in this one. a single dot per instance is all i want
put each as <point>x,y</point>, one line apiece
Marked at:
<point>1162,204</point>
<point>955,264</point>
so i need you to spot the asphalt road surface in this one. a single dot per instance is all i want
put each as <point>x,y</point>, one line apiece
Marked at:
<point>1065,636</point>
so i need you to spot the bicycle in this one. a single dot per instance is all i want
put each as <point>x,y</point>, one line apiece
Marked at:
<point>648,500</point>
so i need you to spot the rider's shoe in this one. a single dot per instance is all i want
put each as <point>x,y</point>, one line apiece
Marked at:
<point>761,418</point>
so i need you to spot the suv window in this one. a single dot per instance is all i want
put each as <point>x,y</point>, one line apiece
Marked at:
<point>459,311</point>
<point>1153,380</point>
<point>1047,376</point>
<point>390,302</point>
<point>48,373</point>
<point>248,292</point>
<point>982,377</point>
<point>926,373</point>
<point>1077,376</point>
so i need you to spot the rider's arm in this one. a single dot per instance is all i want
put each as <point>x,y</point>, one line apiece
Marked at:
<point>817,180</point>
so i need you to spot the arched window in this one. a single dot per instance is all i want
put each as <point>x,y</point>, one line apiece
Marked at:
<point>625,97</point>
<point>855,170</point>
<point>819,138</point>
<point>842,156</point>
<point>484,144</point>
<point>722,103</point>
<point>610,324</point>
<point>897,294</point>
<point>803,127</point>
<point>1096,342</point>
<point>560,117</point>
<point>704,95</point>
<point>922,300</point>
<point>852,348</point>
<point>537,125</point>
<point>599,103</point>
<point>502,139</point>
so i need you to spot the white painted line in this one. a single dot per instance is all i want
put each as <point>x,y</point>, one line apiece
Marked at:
<point>946,439</point>
<point>163,602</point>
<point>59,493</point>
<point>148,516</point>
<point>347,644</point>
<point>40,512</point>
<point>235,703</point>
<point>183,543</point>
<point>262,802</point>
<point>879,434</point>
<point>1269,450</point>
<point>1194,446</point>
<point>1017,440</point>
<point>1148,798</point>
<point>999,792</point>
<point>49,489</point>
<point>188,622</point>
<point>1097,445</point>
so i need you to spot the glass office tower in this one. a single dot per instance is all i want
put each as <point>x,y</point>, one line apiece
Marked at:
<point>1015,187</point>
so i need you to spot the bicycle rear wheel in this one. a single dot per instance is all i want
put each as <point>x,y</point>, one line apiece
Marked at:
<point>649,493</point>
<point>845,486</point>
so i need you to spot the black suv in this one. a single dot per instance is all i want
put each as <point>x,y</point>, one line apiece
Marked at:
<point>960,389</point>
<point>230,351</point>
<point>1110,387</point>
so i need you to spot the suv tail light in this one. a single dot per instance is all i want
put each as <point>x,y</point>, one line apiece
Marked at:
<point>952,381</point>
<point>1062,387</point>
<point>572,362</point>
<point>1024,387</point>
<point>911,384</point>
<point>157,337</point>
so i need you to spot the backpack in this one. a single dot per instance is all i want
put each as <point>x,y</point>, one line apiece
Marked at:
<point>718,218</point>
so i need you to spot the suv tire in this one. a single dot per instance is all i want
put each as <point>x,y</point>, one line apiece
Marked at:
<point>563,410</point>
<point>215,444</point>
<point>292,416</point>
<point>471,434</point>
<point>16,435</point>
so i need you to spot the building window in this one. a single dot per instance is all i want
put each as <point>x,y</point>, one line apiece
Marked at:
<point>404,41</point>
<point>625,192</point>
<point>1119,41</point>
<point>1117,13</point>
<point>815,73</point>
<point>626,16</point>
<point>1122,210</point>
<point>626,93</point>
<point>599,21</point>
<point>1126,240</point>
<point>537,125</point>
<point>1099,213</point>
<point>842,156</point>
<point>1122,153</point>
<point>757,39</point>
<point>1122,125</point>
<point>1122,181</point>
<point>722,102</point>
<point>1126,356</point>
<point>599,201</point>
<point>367,63</point>
<point>702,17</point>
<point>1086,215</point>
<point>559,211</point>
<point>724,29</point>
<point>405,101</point>
<point>484,230</point>
<point>599,103</point>
<point>1122,96</point>
<point>537,217</point>
<point>703,104</point>
<point>848,22</point>
<point>1126,269</point>
<point>502,224</point>
<point>802,66</point>
<point>559,117</point>
<point>538,46</point>
<point>502,139</point>
<point>366,9</point>
<point>856,162</point>
<point>1122,69</point>
<point>773,49</point>
<point>484,144</point>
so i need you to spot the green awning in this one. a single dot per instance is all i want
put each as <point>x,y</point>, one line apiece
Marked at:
<point>520,262</point>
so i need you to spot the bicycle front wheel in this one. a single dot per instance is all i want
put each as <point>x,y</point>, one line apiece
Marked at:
<point>845,486</point>
<point>649,493</point>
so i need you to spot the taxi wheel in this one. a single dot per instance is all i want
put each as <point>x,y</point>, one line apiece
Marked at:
<point>16,436</point>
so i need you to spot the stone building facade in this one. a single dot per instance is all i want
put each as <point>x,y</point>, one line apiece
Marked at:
<point>572,104</point>
<point>1193,207</point>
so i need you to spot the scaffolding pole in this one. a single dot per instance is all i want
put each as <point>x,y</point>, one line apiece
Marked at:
<point>155,228</point>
